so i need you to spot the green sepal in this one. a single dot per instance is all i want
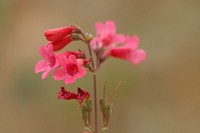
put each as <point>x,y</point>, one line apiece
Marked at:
<point>102,104</point>
<point>88,105</point>
<point>108,112</point>
<point>84,113</point>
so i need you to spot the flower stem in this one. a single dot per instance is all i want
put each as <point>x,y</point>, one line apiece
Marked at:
<point>95,105</point>
<point>95,91</point>
<point>94,68</point>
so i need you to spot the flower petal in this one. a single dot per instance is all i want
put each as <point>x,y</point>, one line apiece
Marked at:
<point>122,52</point>
<point>99,27</point>
<point>119,39</point>
<point>72,59</point>
<point>133,41</point>
<point>43,52</point>
<point>81,73</point>
<point>110,25</point>
<point>58,45</point>
<point>138,56</point>
<point>40,66</point>
<point>62,59</point>
<point>70,80</point>
<point>45,74</point>
<point>60,74</point>
<point>58,33</point>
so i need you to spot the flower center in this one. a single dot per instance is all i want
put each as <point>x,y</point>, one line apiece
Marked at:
<point>72,69</point>
<point>51,61</point>
<point>107,40</point>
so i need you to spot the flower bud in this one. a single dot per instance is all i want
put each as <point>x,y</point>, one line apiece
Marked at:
<point>88,37</point>
<point>58,33</point>
<point>58,45</point>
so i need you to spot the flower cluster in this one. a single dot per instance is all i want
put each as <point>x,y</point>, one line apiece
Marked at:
<point>68,65</point>
<point>107,43</point>
<point>72,65</point>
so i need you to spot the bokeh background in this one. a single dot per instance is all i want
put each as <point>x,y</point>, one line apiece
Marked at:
<point>161,95</point>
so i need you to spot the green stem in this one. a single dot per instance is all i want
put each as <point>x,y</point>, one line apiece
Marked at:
<point>94,68</point>
<point>95,91</point>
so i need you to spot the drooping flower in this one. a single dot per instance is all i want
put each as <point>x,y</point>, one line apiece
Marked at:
<point>106,36</point>
<point>82,94</point>
<point>72,68</point>
<point>59,37</point>
<point>66,94</point>
<point>49,63</point>
<point>129,51</point>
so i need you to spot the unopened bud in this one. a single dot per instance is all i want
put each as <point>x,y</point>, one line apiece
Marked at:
<point>88,37</point>
<point>58,33</point>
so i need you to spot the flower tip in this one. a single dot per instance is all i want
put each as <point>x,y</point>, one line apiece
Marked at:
<point>138,56</point>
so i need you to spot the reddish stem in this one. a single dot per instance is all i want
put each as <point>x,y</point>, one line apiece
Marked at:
<point>94,84</point>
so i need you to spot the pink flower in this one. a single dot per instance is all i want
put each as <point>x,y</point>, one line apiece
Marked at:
<point>50,62</point>
<point>76,54</point>
<point>129,51</point>
<point>72,69</point>
<point>58,33</point>
<point>66,94</point>
<point>81,95</point>
<point>106,36</point>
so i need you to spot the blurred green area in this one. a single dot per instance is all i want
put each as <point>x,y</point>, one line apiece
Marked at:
<point>160,95</point>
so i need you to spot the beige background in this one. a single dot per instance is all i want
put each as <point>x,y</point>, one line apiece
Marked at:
<point>160,95</point>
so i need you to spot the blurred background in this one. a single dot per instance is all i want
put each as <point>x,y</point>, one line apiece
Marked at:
<point>161,95</point>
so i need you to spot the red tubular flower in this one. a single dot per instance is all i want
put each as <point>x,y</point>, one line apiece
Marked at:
<point>81,95</point>
<point>60,37</point>
<point>58,45</point>
<point>58,33</point>
<point>65,94</point>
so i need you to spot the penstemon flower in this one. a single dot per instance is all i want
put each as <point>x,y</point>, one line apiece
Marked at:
<point>59,37</point>
<point>106,36</point>
<point>129,52</point>
<point>72,65</point>
<point>81,95</point>
<point>66,94</point>
<point>72,68</point>
<point>50,62</point>
<point>58,33</point>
